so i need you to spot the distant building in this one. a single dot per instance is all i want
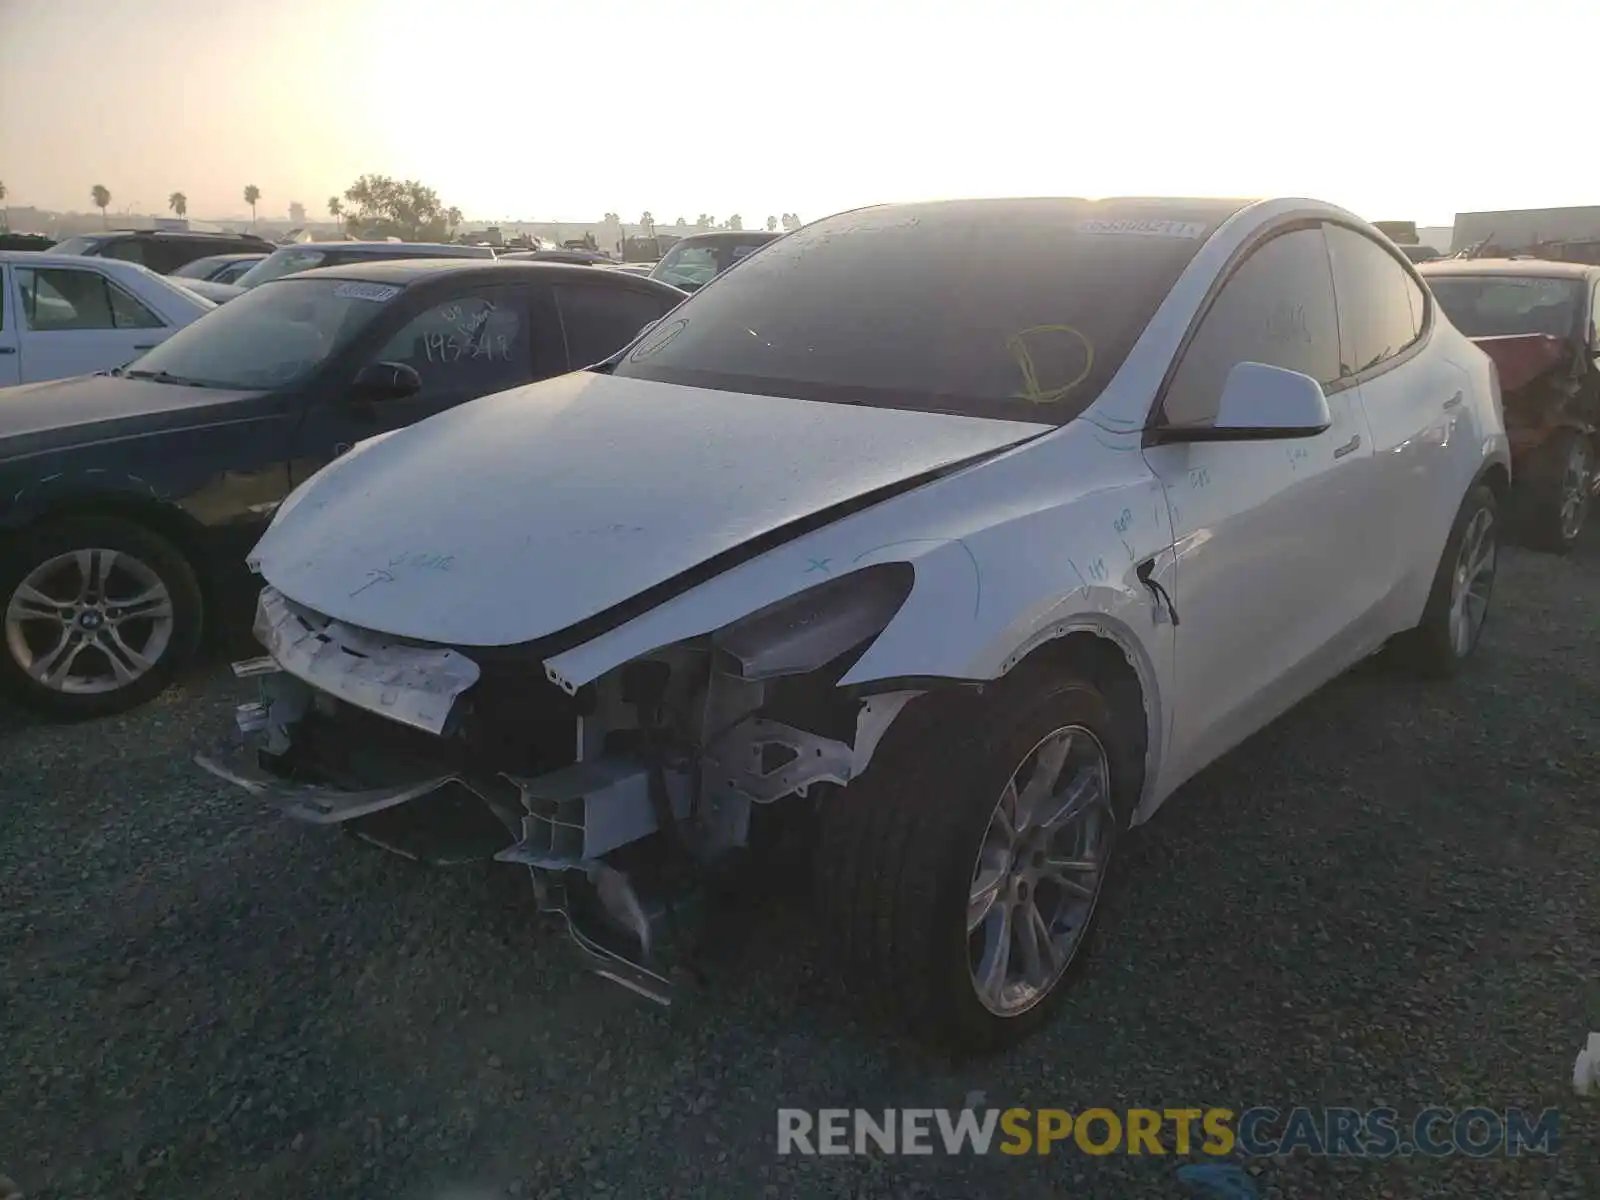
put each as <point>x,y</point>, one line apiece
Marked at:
<point>1523,228</point>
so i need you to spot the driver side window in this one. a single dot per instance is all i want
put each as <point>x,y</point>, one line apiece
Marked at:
<point>472,345</point>
<point>1277,308</point>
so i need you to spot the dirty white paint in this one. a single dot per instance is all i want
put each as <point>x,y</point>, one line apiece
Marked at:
<point>525,513</point>
<point>519,514</point>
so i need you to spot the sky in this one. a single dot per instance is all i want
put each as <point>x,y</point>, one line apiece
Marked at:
<point>517,110</point>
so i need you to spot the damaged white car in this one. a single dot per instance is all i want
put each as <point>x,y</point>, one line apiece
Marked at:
<point>973,529</point>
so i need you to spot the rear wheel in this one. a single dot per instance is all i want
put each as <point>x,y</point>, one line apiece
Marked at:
<point>99,613</point>
<point>1555,501</point>
<point>1463,585</point>
<point>961,875</point>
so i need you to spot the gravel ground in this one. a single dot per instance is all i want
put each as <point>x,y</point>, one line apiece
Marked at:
<point>1391,896</point>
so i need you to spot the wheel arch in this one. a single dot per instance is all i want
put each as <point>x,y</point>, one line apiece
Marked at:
<point>1114,661</point>
<point>1497,477</point>
<point>1117,665</point>
<point>157,516</point>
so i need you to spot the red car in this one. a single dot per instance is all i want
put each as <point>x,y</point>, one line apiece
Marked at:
<point>1540,323</point>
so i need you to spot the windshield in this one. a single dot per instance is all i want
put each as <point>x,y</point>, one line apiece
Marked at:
<point>1500,305</point>
<point>270,337</point>
<point>687,265</point>
<point>1015,309</point>
<point>76,245</point>
<point>280,263</point>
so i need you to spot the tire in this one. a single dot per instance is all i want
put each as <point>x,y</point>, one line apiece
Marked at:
<point>1555,500</point>
<point>97,679</point>
<point>898,852</point>
<point>1438,646</point>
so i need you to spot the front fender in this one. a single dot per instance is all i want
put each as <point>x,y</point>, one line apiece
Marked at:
<point>1007,554</point>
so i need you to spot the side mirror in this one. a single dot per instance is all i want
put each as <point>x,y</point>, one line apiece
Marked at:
<point>386,381</point>
<point>1260,403</point>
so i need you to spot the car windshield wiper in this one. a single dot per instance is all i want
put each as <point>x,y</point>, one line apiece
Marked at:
<point>165,377</point>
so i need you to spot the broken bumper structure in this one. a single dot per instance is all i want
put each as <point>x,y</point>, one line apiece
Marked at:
<point>619,800</point>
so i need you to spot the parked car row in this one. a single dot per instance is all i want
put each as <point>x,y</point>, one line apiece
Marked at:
<point>149,482</point>
<point>164,251</point>
<point>963,533</point>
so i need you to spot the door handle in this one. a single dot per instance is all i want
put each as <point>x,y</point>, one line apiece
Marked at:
<point>1353,444</point>
<point>147,346</point>
<point>8,349</point>
<point>1454,401</point>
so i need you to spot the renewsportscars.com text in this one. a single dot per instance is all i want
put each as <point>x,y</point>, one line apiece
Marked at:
<point>1252,1132</point>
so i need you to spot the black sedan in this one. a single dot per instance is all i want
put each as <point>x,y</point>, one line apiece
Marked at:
<point>129,499</point>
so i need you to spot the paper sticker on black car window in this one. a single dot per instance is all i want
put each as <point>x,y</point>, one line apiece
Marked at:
<point>378,292</point>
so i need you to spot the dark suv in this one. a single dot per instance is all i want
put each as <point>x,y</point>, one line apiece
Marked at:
<point>162,250</point>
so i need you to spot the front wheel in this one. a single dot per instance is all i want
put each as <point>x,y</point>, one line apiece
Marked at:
<point>99,614</point>
<point>1463,584</point>
<point>961,875</point>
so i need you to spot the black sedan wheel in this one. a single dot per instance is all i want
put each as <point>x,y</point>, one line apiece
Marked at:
<point>99,613</point>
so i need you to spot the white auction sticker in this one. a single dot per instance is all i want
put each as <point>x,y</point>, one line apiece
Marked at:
<point>366,291</point>
<point>1166,229</point>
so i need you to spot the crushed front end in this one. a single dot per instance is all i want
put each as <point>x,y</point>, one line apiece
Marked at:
<point>622,798</point>
<point>1547,383</point>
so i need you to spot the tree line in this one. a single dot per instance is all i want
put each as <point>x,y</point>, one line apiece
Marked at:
<point>379,206</point>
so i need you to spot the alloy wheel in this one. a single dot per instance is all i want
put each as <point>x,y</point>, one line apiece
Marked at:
<point>1472,582</point>
<point>1575,487</point>
<point>1039,871</point>
<point>89,621</point>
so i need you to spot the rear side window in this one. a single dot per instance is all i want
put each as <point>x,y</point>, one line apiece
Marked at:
<point>1277,308</point>
<point>128,312</point>
<point>166,254</point>
<point>127,250</point>
<point>470,345</point>
<point>63,300</point>
<point>598,321</point>
<point>1375,304</point>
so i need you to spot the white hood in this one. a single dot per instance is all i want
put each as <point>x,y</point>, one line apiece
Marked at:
<point>520,514</point>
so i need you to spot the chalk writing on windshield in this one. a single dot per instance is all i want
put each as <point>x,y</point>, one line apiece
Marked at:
<point>1032,387</point>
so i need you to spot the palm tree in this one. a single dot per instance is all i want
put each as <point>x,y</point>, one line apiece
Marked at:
<point>178,203</point>
<point>772,224</point>
<point>251,194</point>
<point>101,195</point>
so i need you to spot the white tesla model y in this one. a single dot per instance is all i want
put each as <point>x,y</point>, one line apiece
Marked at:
<point>969,529</point>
